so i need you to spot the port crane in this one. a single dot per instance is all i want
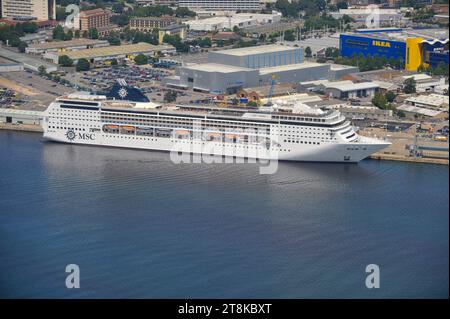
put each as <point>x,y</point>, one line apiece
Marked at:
<point>272,85</point>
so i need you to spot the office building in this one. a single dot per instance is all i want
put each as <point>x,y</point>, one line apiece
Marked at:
<point>96,18</point>
<point>28,9</point>
<point>147,24</point>
<point>228,5</point>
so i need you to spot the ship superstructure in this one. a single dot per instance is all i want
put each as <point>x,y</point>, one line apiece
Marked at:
<point>293,132</point>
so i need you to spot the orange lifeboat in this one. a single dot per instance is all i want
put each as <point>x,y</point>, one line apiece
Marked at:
<point>215,134</point>
<point>111,127</point>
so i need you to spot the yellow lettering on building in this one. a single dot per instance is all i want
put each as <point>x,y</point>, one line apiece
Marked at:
<point>385,44</point>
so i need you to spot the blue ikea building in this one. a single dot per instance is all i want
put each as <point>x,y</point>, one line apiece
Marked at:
<point>351,44</point>
<point>409,45</point>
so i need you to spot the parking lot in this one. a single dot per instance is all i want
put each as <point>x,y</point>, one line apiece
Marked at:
<point>35,91</point>
<point>10,98</point>
<point>99,80</point>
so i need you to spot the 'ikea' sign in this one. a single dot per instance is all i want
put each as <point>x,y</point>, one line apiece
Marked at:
<point>385,44</point>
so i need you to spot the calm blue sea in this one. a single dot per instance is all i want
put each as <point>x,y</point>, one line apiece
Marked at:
<point>139,226</point>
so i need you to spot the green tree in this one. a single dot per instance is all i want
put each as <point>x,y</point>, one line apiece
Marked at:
<point>120,19</point>
<point>308,52</point>
<point>14,40</point>
<point>64,60</point>
<point>58,33</point>
<point>61,13</point>
<point>22,46</point>
<point>400,113</point>
<point>42,70</point>
<point>379,100</point>
<point>114,62</point>
<point>170,96</point>
<point>332,52</point>
<point>117,7</point>
<point>29,27</point>
<point>342,5</point>
<point>141,59</point>
<point>409,86</point>
<point>152,11</point>
<point>183,12</point>
<point>68,35</point>
<point>83,65</point>
<point>205,42</point>
<point>441,69</point>
<point>113,39</point>
<point>289,35</point>
<point>93,33</point>
<point>390,96</point>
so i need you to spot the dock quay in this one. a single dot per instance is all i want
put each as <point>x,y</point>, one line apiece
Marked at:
<point>20,120</point>
<point>411,159</point>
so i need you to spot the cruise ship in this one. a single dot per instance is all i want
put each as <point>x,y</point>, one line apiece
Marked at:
<point>125,118</point>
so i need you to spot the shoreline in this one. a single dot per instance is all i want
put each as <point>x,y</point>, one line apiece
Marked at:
<point>408,159</point>
<point>377,156</point>
<point>21,127</point>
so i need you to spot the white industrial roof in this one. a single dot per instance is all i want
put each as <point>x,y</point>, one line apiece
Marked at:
<point>288,67</point>
<point>27,60</point>
<point>350,86</point>
<point>367,11</point>
<point>436,100</point>
<point>418,110</point>
<point>386,85</point>
<point>215,67</point>
<point>301,97</point>
<point>66,44</point>
<point>8,111</point>
<point>257,50</point>
<point>319,82</point>
<point>336,67</point>
<point>417,77</point>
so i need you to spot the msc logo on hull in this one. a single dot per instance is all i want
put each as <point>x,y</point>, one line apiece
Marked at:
<point>71,135</point>
<point>384,44</point>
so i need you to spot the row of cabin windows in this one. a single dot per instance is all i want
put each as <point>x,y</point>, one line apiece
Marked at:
<point>305,119</point>
<point>154,139</point>
<point>302,142</point>
<point>130,117</point>
<point>65,128</point>
<point>182,124</point>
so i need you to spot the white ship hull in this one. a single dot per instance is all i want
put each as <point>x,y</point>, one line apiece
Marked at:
<point>229,132</point>
<point>348,152</point>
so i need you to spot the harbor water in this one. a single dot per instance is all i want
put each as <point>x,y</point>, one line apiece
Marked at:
<point>140,226</point>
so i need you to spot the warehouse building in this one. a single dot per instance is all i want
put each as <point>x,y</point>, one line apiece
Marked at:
<point>427,47</point>
<point>62,46</point>
<point>389,16</point>
<point>258,56</point>
<point>100,55</point>
<point>172,29</point>
<point>229,71</point>
<point>28,62</point>
<point>216,78</point>
<point>13,116</point>
<point>294,73</point>
<point>348,90</point>
<point>240,20</point>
